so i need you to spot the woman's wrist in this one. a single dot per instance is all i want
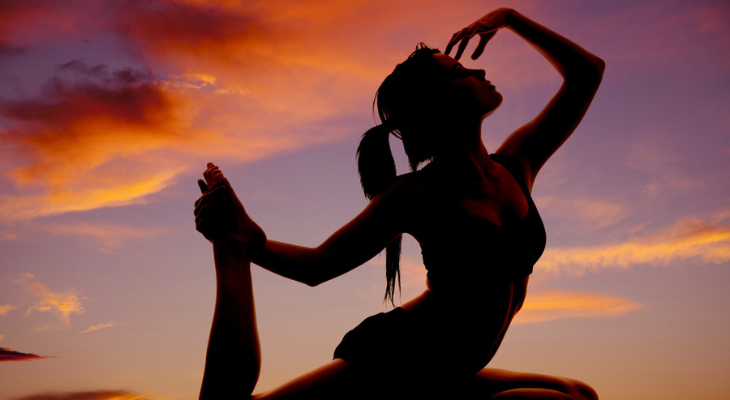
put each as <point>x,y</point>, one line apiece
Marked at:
<point>235,242</point>
<point>510,16</point>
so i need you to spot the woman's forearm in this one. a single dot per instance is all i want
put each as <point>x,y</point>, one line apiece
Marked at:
<point>290,261</point>
<point>569,59</point>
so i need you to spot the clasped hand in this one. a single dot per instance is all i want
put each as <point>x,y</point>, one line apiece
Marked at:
<point>219,214</point>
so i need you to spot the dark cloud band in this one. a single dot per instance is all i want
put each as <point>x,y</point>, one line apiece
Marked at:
<point>10,355</point>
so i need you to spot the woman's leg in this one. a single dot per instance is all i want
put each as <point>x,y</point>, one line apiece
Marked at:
<point>503,384</point>
<point>233,359</point>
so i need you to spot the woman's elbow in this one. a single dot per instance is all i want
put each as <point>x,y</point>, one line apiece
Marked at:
<point>588,73</point>
<point>311,282</point>
<point>313,279</point>
<point>599,66</point>
<point>594,70</point>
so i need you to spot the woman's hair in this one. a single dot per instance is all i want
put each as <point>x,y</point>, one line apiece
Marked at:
<point>410,103</point>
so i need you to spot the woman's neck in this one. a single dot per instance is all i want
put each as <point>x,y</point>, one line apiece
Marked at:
<point>469,161</point>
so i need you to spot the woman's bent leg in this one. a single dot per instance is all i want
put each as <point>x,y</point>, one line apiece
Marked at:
<point>233,359</point>
<point>503,384</point>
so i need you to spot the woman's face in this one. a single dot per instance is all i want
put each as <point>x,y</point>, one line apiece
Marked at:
<point>470,86</point>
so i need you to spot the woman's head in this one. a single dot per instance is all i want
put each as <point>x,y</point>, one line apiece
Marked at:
<point>427,96</point>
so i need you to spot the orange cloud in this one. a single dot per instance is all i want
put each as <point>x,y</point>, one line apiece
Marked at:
<point>93,395</point>
<point>87,122</point>
<point>61,304</point>
<point>98,327</point>
<point>100,138</point>
<point>6,309</point>
<point>94,138</point>
<point>554,305</point>
<point>687,240</point>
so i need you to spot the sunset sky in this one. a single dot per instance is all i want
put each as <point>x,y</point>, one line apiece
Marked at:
<point>109,111</point>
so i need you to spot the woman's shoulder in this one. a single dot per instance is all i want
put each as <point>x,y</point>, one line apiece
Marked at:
<point>517,166</point>
<point>409,189</point>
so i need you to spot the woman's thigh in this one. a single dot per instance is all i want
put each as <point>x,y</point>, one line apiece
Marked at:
<point>334,380</point>
<point>337,380</point>
<point>493,382</point>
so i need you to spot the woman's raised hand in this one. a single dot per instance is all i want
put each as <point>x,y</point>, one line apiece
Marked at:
<point>219,213</point>
<point>486,27</point>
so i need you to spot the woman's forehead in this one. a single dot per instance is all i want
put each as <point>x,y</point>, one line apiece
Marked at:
<point>445,60</point>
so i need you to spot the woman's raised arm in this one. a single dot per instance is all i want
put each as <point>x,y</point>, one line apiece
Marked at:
<point>533,143</point>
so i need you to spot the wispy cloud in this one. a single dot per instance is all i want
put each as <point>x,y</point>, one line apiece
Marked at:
<point>92,395</point>
<point>58,303</point>
<point>6,309</point>
<point>687,240</point>
<point>552,305</point>
<point>11,355</point>
<point>583,212</point>
<point>660,159</point>
<point>99,327</point>
<point>111,235</point>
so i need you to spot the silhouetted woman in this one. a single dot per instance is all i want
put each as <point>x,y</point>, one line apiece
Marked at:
<point>470,211</point>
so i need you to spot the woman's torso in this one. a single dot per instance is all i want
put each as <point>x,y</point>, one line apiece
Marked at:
<point>479,247</point>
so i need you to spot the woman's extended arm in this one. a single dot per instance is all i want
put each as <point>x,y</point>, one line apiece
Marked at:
<point>582,71</point>
<point>352,245</point>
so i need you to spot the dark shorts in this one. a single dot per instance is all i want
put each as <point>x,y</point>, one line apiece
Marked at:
<point>402,346</point>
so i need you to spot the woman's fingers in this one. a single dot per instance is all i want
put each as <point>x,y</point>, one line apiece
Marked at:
<point>454,39</point>
<point>485,27</point>
<point>203,187</point>
<point>458,36</point>
<point>483,40</point>
<point>209,197</point>
<point>212,173</point>
<point>462,46</point>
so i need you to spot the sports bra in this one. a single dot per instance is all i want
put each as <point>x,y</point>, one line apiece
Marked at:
<point>474,250</point>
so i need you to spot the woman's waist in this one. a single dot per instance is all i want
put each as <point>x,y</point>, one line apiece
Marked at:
<point>486,309</point>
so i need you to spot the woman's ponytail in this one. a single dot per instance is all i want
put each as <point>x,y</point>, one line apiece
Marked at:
<point>377,173</point>
<point>375,161</point>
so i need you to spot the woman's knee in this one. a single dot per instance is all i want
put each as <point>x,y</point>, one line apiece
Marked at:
<point>579,390</point>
